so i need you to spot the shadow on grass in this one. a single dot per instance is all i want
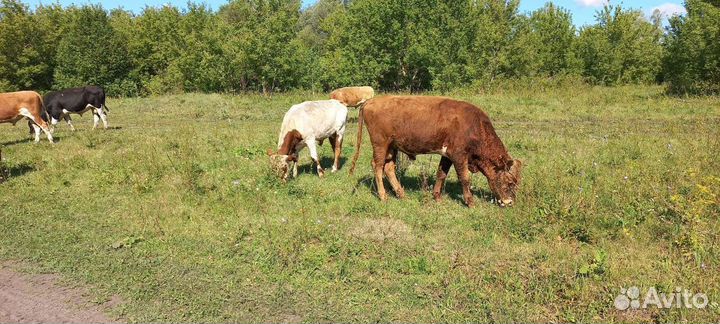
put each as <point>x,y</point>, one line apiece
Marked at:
<point>17,141</point>
<point>43,139</point>
<point>89,129</point>
<point>451,189</point>
<point>17,170</point>
<point>325,161</point>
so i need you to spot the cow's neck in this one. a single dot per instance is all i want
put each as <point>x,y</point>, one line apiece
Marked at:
<point>494,155</point>
<point>292,138</point>
<point>489,167</point>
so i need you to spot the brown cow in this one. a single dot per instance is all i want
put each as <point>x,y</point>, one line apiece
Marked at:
<point>15,106</point>
<point>457,130</point>
<point>353,96</point>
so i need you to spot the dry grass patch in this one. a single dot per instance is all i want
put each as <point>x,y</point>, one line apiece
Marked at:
<point>382,230</point>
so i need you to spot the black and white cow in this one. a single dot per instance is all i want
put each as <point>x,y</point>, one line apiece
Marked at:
<point>60,104</point>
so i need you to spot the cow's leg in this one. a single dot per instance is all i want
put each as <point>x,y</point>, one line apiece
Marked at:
<point>390,171</point>
<point>311,144</point>
<point>103,116</point>
<point>37,121</point>
<point>68,120</point>
<point>96,120</point>
<point>53,123</point>
<point>37,132</point>
<point>441,175</point>
<point>295,169</point>
<point>336,142</point>
<point>378,164</point>
<point>461,167</point>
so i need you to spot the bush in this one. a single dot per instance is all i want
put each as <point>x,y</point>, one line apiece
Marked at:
<point>692,65</point>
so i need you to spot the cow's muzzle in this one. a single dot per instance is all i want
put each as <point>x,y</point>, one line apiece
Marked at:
<point>506,203</point>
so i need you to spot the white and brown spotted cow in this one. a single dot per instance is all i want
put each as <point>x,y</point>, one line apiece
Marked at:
<point>15,106</point>
<point>308,124</point>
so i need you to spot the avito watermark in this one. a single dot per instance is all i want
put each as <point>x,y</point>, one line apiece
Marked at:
<point>630,298</point>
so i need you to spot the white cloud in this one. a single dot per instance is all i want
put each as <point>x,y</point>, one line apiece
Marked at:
<point>670,9</point>
<point>592,3</point>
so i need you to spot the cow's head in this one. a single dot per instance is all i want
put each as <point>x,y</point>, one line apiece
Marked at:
<point>280,164</point>
<point>506,181</point>
<point>280,161</point>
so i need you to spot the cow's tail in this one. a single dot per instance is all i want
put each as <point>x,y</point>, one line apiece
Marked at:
<point>359,139</point>
<point>104,106</point>
<point>45,115</point>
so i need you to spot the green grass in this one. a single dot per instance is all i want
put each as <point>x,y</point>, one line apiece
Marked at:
<point>176,211</point>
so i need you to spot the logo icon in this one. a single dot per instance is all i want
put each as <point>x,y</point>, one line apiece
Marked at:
<point>628,298</point>
<point>680,298</point>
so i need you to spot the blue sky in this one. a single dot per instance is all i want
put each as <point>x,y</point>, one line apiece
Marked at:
<point>583,10</point>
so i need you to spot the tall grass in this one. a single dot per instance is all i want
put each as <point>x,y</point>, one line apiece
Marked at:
<point>176,211</point>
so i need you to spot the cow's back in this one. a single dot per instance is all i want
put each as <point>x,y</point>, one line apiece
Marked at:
<point>13,99</point>
<point>417,113</point>
<point>317,118</point>
<point>12,102</point>
<point>95,95</point>
<point>419,124</point>
<point>353,96</point>
<point>76,99</point>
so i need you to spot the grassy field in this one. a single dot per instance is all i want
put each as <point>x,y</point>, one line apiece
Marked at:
<point>175,210</point>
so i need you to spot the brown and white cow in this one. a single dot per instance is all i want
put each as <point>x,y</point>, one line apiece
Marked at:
<point>352,96</point>
<point>459,131</point>
<point>15,106</point>
<point>309,124</point>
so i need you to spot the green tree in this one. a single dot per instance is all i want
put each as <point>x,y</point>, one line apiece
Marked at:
<point>547,37</point>
<point>50,22</point>
<point>394,44</point>
<point>91,52</point>
<point>154,42</point>
<point>623,47</point>
<point>261,44</point>
<point>692,64</point>
<point>310,23</point>
<point>199,64</point>
<point>491,24</point>
<point>312,38</point>
<point>23,58</point>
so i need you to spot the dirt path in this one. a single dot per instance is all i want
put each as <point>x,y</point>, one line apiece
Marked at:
<point>41,299</point>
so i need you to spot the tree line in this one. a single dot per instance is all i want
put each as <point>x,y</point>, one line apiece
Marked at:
<point>396,45</point>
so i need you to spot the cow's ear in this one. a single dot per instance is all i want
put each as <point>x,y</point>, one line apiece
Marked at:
<point>298,136</point>
<point>516,169</point>
<point>517,164</point>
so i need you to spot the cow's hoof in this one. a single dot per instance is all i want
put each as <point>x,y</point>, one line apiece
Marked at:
<point>471,204</point>
<point>321,173</point>
<point>401,195</point>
